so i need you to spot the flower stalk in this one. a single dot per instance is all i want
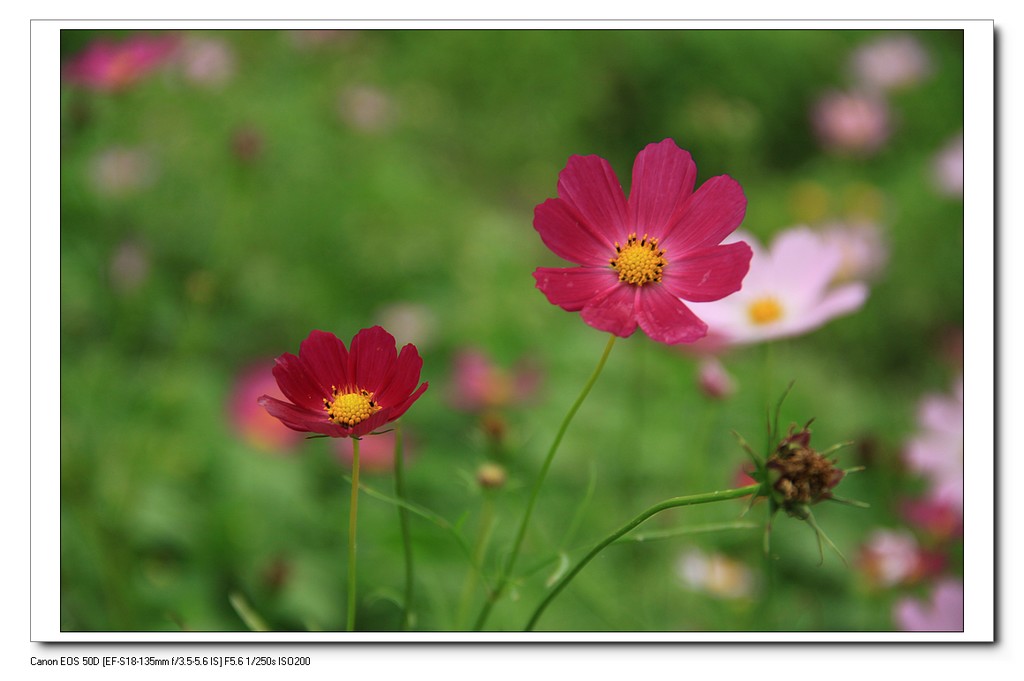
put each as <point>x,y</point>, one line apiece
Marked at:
<point>520,535</point>
<point>352,515</point>
<point>674,502</point>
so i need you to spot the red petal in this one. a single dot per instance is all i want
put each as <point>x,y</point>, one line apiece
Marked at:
<point>372,358</point>
<point>326,360</point>
<point>711,213</point>
<point>571,288</point>
<point>709,273</point>
<point>663,178</point>
<point>588,184</point>
<point>614,311</point>
<point>404,378</point>
<point>297,418</point>
<point>298,384</point>
<point>571,238</point>
<point>666,319</point>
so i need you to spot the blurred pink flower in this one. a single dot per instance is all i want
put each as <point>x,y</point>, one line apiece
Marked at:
<point>121,171</point>
<point>478,384</point>
<point>109,66</point>
<point>864,252</point>
<point>251,421</point>
<point>890,63</point>
<point>367,108</point>
<point>937,451</point>
<point>944,612</point>
<point>938,518</point>
<point>713,380</point>
<point>787,292</point>
<point>715,574</point>
<point>948,167</point>
<point>207,62</point>
<point>855,123</point>
<point>891,557</point>
<point>376,452</point>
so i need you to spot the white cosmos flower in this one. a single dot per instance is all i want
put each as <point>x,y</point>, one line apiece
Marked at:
<point>787,292</point>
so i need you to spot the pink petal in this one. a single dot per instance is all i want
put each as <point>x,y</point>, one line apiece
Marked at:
<point>326,359</point>
<point>613,311</point>
<point>569,237</point>
<point>372,358</point>
<point>709,273</point>
<point>709,215</point>
<point>663,178</point>
<point>588,184</point>
<point>571,288</point>
<point>665,318</point>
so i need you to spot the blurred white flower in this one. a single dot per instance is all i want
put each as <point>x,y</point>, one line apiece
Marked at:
<point>121,171</point>
<point>207,62</point>
<point>367,108</point>
<point>863,249</point>
<point>715,574</point>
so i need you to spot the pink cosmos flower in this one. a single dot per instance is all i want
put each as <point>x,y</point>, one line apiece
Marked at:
<point>891,557</point>
<point>713,380</point>
<point>479,384</point>
<point>890,63</point>
<point>341,393</point>
<point>250,421</point>
<point>640,258</point>
<point>948,167</point>
<point>938,518</point>
<point>787,292</point>
<point>117,172</point>
<point>109,66</point>
<point>945,611</point>
<point>937,451</point>
<point>855,123</point>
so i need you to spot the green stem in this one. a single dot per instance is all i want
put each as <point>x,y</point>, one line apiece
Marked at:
<point>510,564</point>
<point>675,502</point>
<point>353,511</point>
<point>479,550</point>
<point>403,522</point>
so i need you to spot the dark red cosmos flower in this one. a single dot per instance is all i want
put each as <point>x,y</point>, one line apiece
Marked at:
<point>640,258</point>
<point>341,393</point>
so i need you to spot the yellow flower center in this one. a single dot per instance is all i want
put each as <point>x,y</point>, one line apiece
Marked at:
<point>638,262</point>
<point>764,310</point>
<point>348,409</point>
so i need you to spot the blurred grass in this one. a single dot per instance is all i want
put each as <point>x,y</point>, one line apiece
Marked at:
<point>166,512</point>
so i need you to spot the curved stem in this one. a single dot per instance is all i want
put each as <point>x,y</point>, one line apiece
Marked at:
<point>403,522</point>
<point>675,502</point>
<point>510,564</point>
<point>353,511</point>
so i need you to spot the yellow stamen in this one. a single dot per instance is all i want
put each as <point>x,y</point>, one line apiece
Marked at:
<point>348,409</point>
<point>764,310</point>
<point>639,262</point>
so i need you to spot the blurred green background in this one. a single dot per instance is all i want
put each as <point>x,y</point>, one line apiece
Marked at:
<point>220,207</point>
